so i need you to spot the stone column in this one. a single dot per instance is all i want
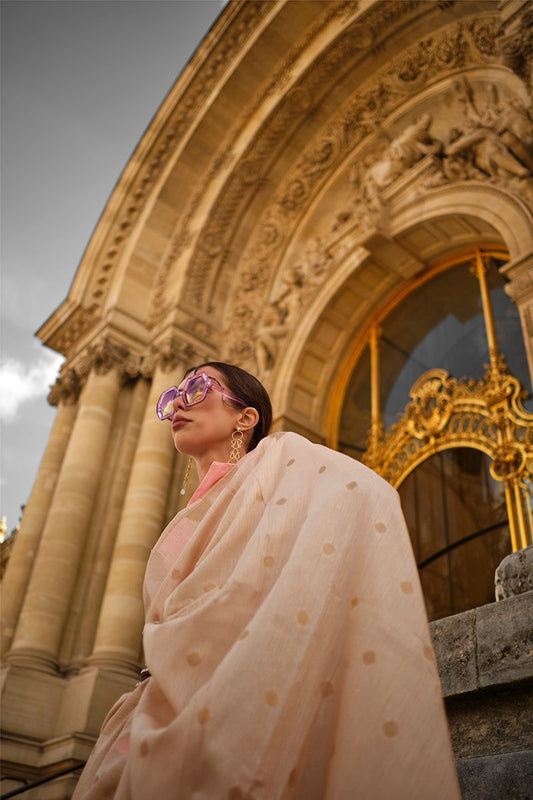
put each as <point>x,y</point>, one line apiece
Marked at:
<point>64,393</point>
<point>118,637</point>
<point>93,593</point>
<point>46,605</point>
<point>520,290</point>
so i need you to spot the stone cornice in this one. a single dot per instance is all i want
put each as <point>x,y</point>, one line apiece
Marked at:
<point>174,122</point>
<point>66,326</point>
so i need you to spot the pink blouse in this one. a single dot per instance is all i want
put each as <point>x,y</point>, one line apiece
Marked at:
<point>216,471</point>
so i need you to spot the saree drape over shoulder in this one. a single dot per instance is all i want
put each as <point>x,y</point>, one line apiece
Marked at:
<point>288,646</point>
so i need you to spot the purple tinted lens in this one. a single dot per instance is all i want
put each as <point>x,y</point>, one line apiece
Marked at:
<point>195,390</point>
<point>165,407</point>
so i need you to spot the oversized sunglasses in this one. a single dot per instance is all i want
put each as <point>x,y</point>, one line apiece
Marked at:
<point>194,391</point>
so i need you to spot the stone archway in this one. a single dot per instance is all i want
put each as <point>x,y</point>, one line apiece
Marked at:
<point>316,365</point>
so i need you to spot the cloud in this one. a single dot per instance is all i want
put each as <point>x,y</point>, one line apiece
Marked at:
<point>21,382</point>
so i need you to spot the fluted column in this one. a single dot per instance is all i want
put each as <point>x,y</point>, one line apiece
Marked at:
<point>21,561</point>
<point>52,582</point>
<point>100,564</point>
<point>118,636</point>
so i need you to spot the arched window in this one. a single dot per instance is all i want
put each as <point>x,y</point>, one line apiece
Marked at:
<point>446,421</point>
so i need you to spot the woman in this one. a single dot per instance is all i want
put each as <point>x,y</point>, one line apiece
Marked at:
<point>286,642</point>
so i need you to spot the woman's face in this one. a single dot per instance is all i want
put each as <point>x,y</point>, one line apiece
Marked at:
<point>205,428</point>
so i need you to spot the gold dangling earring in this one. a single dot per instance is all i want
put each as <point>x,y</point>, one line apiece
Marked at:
<point>236,442</point>
<point>186,476</point>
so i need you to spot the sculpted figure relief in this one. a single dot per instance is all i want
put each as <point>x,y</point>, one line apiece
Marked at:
<point>284,312</point>
<point>494,142</point>
<point>404,152</point>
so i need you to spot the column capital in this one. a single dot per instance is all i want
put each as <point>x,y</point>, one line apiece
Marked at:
<point>104,355</point>
<point>171,352</point>
<point>66,388</point>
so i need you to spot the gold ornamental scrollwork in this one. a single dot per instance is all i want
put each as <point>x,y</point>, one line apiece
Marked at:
<point>486,415</point>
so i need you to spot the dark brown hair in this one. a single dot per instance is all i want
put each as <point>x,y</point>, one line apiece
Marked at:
<point>247,388</point>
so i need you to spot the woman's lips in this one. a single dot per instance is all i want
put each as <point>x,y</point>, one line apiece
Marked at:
<point>179,422</point>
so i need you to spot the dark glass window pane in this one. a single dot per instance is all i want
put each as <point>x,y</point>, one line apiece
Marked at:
<point>452,504</point>
<point>441,324</point>
<point>355,418</point>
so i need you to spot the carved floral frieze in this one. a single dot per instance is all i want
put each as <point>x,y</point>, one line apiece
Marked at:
<point>298,103</point>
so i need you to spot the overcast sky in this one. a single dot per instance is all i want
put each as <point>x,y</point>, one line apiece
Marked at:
<point>81,80</point>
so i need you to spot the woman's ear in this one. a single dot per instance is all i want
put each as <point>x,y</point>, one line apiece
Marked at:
<point>248,418</point>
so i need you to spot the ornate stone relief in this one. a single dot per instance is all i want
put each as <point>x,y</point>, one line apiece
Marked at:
<point>78,324</point>
<point>515,40</point>
<point>493,143</point>
<point>66,389</point>
<point>498,153</point>
<point>100,357</point>
<point>300,101</point>
<point>172,353</point>
<point>187,109</point>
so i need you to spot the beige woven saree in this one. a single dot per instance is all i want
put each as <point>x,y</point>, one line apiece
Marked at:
<point>288,646</point>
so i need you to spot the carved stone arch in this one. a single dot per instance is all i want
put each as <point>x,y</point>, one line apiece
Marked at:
<point>505,212</point>
<point>318,357</point>
<point>265,271</point>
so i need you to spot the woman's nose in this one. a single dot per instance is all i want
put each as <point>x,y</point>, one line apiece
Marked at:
<point>178,402</point>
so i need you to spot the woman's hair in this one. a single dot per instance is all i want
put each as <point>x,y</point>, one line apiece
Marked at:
<point>247,388</point>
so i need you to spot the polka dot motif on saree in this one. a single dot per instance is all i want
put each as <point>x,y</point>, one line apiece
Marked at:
<point>354,601</point>
<point>209,587</point>
<point>281,501</point>
<point>326,689</point>
<point>328,548</point>
<point>390,728</point>
<point>203,716</point>
<point>380,527</point>
<point>303,617</point>
<point>144,748</point>
<point>369,657</point>
<point>290,462</point>
<point>428,652</point>
<point>194,659</point>
<point>272,697</point>
<point>321,470</point>
<point>351,485</point>
<point>406,587</point>
<point>269,561</point>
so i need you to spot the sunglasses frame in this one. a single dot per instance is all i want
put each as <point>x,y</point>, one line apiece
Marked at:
<point>209,383</point>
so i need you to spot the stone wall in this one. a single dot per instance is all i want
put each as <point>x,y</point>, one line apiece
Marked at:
<point>486,668</point>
